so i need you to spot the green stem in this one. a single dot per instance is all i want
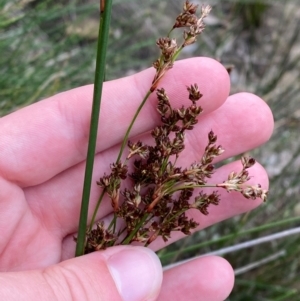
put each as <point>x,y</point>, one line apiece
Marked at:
<point>128,239</point>
<point>96,209</point>
<point>164,165</point>
<point>112,223</point>
<point>177,214</point>
<point>182,186</point>
<point>131,125</point>
<point>98,84</point>
<point>169,33</point>
<point>177,53</point>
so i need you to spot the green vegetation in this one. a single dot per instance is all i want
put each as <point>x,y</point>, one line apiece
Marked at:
<point>50,46</point>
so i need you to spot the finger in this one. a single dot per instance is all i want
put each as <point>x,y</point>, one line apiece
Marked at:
<point>237,132</point>
<point>119,273</point>
<point>48,137</point>
<point>207,278</point>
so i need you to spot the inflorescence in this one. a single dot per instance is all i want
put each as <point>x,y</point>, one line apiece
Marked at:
<point>159,193</point>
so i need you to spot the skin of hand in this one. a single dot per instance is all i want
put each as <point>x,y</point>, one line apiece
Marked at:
<point>43,149</point>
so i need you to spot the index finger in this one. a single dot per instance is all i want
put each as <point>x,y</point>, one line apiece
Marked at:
<point>51,136</point>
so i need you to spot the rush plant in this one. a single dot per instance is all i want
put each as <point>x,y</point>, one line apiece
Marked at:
<point>149,193</point>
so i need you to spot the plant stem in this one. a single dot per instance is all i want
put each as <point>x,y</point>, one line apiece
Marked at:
<point>127,240</point>
<point>182,186</point>
<point>98,84</point>
<point>96,209</point>
<point>131,125</point>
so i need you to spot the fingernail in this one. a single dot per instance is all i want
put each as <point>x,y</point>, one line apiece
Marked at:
<point>137,273</point>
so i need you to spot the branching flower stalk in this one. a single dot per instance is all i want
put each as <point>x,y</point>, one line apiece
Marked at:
<point>150,195</point>
<point>169,53</point>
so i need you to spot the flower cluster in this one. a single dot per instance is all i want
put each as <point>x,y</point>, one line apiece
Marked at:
<point>162,192</point>
<point>189,19</point>
<point>169,47</point>
<point>150,195</point>
<point>236,182</point>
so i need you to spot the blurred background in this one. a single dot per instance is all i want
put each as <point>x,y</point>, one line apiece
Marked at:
<point>48,46</point>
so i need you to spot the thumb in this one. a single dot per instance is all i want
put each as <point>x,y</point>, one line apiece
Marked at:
<point>123,273</point>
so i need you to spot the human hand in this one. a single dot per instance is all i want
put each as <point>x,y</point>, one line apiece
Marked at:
<point>43,148</point>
